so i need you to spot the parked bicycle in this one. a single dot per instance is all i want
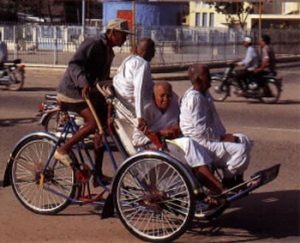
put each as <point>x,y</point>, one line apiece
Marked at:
<point>267,89</point>
<point>155,194</point>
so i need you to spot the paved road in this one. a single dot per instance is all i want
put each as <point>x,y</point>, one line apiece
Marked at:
<point>271,214</point>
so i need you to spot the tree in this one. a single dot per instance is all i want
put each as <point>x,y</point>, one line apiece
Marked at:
<point>69,11</point>
<point>236,12</point>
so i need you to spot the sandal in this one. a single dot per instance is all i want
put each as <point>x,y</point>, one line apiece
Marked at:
<point>63,158</point>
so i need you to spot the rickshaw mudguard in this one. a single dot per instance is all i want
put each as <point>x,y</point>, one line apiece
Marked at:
<point>160,154</point>
<point>108,209</point>
<point>6,179</point>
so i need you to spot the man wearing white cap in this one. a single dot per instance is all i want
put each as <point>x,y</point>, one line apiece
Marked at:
<point>250,63</point>
<point>90,64</point>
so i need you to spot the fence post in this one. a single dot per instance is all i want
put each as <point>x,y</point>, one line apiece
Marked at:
<point>15,42</point>
<point>55,46</point>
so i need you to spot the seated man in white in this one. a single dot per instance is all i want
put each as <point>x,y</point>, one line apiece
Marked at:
<point>199,120</point>
<point>161,116</point>
<point>133,82</point>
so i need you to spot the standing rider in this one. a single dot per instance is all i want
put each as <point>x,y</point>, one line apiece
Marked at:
<point>90,64</point>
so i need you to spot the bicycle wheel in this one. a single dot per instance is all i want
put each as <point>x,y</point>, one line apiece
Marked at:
<point>17,77</point>
<point>42,193</point>
<point>218,92</point>
<point>154,199</point>
<point>273,93</point>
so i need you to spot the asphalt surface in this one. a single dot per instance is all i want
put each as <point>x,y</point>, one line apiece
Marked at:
<point>270,214</point>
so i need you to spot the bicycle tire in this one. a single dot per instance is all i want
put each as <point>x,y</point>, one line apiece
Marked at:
<point>26,177</point>
<point>166,206</point>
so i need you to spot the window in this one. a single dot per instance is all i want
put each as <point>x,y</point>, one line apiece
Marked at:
<point>211,20</point>
<point>197,21</point>
<point>204,20</point>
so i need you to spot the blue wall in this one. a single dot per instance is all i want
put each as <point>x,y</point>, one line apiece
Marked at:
<point>147,14</point>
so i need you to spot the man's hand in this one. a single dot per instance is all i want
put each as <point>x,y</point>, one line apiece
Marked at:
<point>142,125</point>
<point>229,138</point>
<point>170,132</point>
<point>85,91</point>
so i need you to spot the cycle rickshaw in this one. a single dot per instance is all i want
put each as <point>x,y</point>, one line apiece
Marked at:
<point>154,193</point>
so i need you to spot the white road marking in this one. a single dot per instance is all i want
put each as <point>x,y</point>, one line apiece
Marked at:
<point>274,129</point>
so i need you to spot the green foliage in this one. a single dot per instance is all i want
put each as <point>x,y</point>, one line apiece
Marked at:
<point>236,12</point>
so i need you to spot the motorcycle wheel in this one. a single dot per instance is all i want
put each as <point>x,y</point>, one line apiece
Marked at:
<point>216,91</point>
<point>274,94</point>
<point>17,79</point>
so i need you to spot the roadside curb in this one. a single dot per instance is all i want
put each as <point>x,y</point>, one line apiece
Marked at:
<point>178,71</point>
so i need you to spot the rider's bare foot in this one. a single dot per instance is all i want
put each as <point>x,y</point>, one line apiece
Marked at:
<point>212,201</point>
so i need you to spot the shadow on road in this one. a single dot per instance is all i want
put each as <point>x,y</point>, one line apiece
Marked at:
<point>15,121</point>
<point>250,101</point>
<point>288,102</point>
<point>273,215</point>
<point>27,89</point>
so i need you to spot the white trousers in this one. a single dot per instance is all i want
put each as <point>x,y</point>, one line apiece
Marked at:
<point>188,150</point>
<point>232,158</point>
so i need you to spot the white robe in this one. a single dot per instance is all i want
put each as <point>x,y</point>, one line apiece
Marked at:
<point>200,121</point>
<point>183,148</point>
<point>134,83</point>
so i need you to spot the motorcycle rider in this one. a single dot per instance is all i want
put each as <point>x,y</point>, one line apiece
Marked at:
<point>250,63</point>
<point>267,63</point>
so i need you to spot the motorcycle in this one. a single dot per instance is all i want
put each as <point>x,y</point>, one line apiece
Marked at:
<point>267,89</point>
<point>12,75</point>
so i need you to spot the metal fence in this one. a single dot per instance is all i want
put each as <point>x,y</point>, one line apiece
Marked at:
<point>55,45</point>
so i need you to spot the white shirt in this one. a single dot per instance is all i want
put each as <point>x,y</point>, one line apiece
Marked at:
<point>251,59</point>
<point>198,117</point>
<point>134,83</point>
<point>156,120</point>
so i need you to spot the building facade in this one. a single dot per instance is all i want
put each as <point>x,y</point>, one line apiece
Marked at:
<point>147,13</point>
<point>274,14</point>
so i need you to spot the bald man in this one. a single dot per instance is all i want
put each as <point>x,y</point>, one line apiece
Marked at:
<point>162,117</point>
<point>133,81</point>
<point>200,121</point>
